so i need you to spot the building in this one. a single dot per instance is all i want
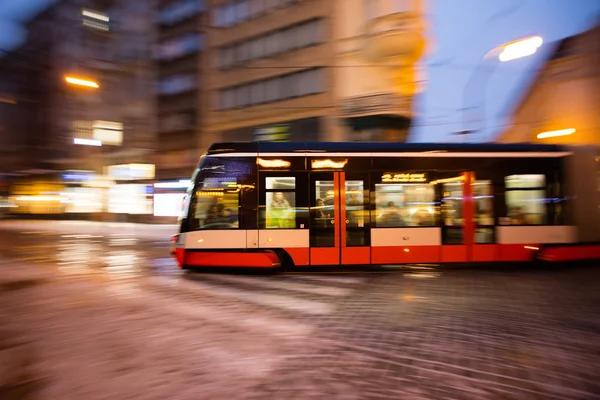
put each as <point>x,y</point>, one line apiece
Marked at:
<point>311,70</point>
<point>84,109</point>
<point>561,106</point>
<point>178,55</point>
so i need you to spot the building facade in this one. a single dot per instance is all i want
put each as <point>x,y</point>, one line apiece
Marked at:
<point>84,107</point>
<point>311,70</point>
<point>178,56</point>
<point>561,106</point>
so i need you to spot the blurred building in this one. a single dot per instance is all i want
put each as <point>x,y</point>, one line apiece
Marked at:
<point>311,70</point>
<point>178,54</point>
<point>83,119</point>
<point>562,104</point>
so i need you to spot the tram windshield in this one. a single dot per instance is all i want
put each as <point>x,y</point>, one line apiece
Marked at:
<point>215,200</point>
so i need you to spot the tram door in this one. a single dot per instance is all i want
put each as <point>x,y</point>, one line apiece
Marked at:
<point>468,233</point>
<point>340,223</point>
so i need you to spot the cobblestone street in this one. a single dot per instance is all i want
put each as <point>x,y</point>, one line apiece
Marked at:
<point>98,311</point>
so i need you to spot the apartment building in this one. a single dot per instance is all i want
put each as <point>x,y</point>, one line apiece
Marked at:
<point>179,57</point>
<point>561,105</point>
<point>311,70</point>
<point>84,108</point>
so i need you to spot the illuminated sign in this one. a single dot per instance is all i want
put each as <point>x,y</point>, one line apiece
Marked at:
<point>328,163</point>
<point>448,180</point>
<point>273,163</point>
<point>389,177</point>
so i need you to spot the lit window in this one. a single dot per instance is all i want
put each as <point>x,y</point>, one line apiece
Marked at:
<point>108,132</point>
<point>95,20</point>
<point>408,204</point>
<point>280,203</point>
<point>526,199</point>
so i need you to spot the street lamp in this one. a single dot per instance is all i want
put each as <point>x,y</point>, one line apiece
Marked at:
<point>505,52</point>
<point>560,132</point>
<point>81,82</point>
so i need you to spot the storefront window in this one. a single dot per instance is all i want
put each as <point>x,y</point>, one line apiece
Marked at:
<point>526,199</point>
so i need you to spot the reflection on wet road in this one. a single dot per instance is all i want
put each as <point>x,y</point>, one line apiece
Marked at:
<point>119,320</point>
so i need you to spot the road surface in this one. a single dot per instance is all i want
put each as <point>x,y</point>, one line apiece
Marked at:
<point>100,311</point>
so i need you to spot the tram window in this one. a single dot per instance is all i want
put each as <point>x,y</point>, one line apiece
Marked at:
<point>484,204</point>
<point>452,201</point>
<point>404,205</point>
<point>526,199</point>
<point>217,210</point>
<point>484,211</point>
<point>280,203</point>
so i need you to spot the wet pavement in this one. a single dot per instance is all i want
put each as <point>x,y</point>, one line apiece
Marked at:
<point>99,311</point>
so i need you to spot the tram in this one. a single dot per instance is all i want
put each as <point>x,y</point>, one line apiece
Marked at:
<point>271,204</point>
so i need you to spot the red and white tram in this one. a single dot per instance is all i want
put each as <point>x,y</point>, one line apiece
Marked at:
<point>265,204</point>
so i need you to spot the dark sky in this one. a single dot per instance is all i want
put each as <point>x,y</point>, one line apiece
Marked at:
<point>460,32</point>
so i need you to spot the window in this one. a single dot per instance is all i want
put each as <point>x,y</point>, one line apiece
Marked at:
<point>257,47</point>
<point>284,87</point>
<point>176,84</point>
<point>309,82</point>
<point>399,205</point>
<point>95,20</point>
<point>242,52</point>
<point>272,90</point>
<point>526,199</point>
<point>303,35</point>
<point>241,96</point>
<point>180,46</point>
<point>484,211</point>
<point>226,56</point>
<point>289,86</point>
<point>280,203</point>
<point>257,91</point>
<point>243,10</point>
<point>272,44</point>
<point>179,11</point>
<point>314,33</point>
<point>215,203</point>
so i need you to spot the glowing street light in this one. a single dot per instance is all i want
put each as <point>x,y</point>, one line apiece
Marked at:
<point>81,82</point>
<point>560,132</point>
<point>520,48</point>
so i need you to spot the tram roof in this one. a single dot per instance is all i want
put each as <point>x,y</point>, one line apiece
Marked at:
<point>374,147</point>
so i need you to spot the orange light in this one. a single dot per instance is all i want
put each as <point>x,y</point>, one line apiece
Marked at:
<point>81,82</point>
<point>406,250</point>
<point>561,132</point>
<point>328,163</point>
<point>532,248</point>
<point>273,163</point>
